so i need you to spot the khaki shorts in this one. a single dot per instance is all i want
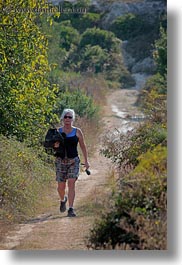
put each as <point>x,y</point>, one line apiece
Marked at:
<point>67,168</point>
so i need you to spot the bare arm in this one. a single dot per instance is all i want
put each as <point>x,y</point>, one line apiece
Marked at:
<point>83,147</point>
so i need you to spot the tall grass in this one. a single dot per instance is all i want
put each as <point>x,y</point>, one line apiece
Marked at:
<point>23,178</point>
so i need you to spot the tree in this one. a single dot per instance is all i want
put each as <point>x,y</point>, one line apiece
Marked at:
<point>93,59</point>
<point>77,100</point>
<point>105,39</point>
<point>26,98</point>
<point>88,20</point>
<point>68,36</point>
<point>128,26</point>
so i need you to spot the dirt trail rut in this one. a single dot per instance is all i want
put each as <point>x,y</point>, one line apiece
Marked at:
<point>55,231</point>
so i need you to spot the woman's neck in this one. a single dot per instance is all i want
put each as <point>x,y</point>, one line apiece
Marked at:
<point>67,128</point>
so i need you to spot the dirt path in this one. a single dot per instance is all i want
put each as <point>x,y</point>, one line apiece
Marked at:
<point>55,231</point>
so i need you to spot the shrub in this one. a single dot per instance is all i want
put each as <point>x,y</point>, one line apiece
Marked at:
<point>93,59</point>
<point>95,36</point>
<point>160,53</point>
<point>124,149</point>
<point>88,20</point>
<point>153,99</point>
<point>158,83</point>
<point>138,218</point>
<point>127,26</point>
<point>68,36</point>
<point>79,101</point>
<point>23,178</point>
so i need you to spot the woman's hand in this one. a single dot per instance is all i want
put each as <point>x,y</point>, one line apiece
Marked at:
<point>56,144</point>
<point>86,164</point>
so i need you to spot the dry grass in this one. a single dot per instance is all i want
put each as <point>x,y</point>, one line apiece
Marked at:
<point>97,88</point>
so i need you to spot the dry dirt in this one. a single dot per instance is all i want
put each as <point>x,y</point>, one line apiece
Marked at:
<point>55,231</point>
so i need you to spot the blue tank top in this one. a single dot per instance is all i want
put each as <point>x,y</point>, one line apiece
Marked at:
<point>70,143</point>
<point>71,134</point>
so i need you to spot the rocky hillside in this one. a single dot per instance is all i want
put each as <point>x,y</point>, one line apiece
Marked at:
<point>113,9</point>
<point>137,50</point>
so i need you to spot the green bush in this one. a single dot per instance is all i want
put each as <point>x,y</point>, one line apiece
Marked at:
<point>26,97</point>
<point>160,53</point>
<point>124,149</point>
<point>138,218</point>
<point>88,20</point>
<point>153,99</point>
<point>94,51</point>
<point>68,36</point>
<point>95,36</point>
<point>23,178</point>
<point>108,234</point>
<point>79,101</point>
<point>93,59</point>
<point>158,83</point>
<point>128,26</point>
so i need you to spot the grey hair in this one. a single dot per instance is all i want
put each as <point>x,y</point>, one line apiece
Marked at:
<point>65,111</point>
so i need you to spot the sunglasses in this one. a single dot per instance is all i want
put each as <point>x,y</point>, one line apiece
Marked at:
<point>69,117</point>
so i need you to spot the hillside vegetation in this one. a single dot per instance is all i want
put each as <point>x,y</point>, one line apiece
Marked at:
<point>138,215</point>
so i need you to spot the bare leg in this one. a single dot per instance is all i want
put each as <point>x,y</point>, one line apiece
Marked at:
<point>61,189</point>
<point>71,191</point>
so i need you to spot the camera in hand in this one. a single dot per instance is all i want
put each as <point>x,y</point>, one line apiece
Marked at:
<point>88,172</point>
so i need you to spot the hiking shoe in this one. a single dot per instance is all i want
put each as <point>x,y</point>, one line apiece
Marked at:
<point>63,205</point>
<point>71,213</point>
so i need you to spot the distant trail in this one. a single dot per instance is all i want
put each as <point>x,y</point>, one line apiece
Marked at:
<point>55,231</point>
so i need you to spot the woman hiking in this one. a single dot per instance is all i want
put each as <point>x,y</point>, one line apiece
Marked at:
<point>67,161</point>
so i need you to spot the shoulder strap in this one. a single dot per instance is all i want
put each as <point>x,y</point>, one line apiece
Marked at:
<point>60,129</point>
<point>75,130</point>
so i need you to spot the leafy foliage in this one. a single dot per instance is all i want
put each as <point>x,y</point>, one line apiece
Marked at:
<point>160,53</point>
<point>138,218</point>
<point>125,149</point>
<point>94,59</point>
<point>79,101</point>
<point>68,36</point>
<point>127,26</point>
<point>103,38</point>
<point>81,45</point>
<point>139,32</point>
<point>153,99</point>
<point>88,20</point>
<point>26,97</point>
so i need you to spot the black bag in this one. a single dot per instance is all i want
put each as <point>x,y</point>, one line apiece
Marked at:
<point>52,136</point>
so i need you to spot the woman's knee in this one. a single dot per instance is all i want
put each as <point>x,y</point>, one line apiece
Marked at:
<point>61,186</point>
<point>71,183</point>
